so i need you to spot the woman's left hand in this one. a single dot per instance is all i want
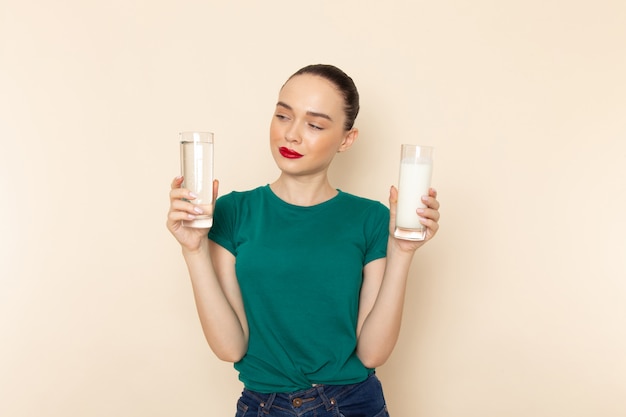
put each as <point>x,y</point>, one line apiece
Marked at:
<point>429,217</point>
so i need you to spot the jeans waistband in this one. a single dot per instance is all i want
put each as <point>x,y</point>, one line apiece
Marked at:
<point>298,401</point>
<point>319,397</point>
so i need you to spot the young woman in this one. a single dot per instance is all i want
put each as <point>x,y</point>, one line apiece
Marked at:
<point>299,284</point>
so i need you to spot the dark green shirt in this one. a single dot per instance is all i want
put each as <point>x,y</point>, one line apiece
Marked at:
<point>300,271</point>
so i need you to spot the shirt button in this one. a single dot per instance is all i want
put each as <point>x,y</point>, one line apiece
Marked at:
<point>297,402</point>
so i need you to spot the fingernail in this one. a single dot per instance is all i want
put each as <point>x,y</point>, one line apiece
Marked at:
<point>192,195</point>
<point>420,210</point>
<point>197,210</point>
<point>424,198</point>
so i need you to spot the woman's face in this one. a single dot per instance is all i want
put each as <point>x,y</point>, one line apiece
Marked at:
<point>307,128</point>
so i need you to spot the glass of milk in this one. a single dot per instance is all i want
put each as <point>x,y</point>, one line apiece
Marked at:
<point>416,167</point>
<point>196,162</point>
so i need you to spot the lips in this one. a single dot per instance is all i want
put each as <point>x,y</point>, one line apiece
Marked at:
<point>289,153</point>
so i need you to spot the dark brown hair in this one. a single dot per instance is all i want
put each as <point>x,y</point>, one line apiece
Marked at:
<point>342,82</point>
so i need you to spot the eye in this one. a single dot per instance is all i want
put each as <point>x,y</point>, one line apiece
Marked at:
<point>315,127</point>
<point>280,116</point>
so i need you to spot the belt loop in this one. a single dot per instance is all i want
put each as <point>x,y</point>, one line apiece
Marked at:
<point>265,407</point>
<point>328,403</point>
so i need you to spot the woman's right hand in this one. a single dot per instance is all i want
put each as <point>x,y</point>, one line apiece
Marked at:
<point>182,208</point>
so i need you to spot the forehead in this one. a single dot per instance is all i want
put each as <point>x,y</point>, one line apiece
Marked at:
<point>312,93</point>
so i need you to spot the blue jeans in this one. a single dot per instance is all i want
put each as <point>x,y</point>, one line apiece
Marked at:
<point>364,399</point>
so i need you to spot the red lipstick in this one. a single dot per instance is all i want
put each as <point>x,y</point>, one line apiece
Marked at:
<point>289,153</point>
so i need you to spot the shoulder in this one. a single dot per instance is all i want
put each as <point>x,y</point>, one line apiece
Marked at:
<point>235,197</point>
<point>238,203</point>
<point>363,203</point>
<point>370,213</point>
<point>231,210</point>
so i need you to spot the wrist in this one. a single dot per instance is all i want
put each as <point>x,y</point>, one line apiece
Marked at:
<point>201,250</point>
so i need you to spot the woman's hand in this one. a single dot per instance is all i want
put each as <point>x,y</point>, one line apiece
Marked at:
<point>182,208</point>
<point>429,217</point>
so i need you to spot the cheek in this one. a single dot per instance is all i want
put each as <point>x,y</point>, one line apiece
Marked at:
<point>274,131</point>
<point>331,143</point>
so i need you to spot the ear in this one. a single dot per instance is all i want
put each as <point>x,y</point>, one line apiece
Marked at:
<point>350,137</point>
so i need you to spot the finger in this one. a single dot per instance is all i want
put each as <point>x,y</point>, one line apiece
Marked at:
<point>216,186</point>
<point>432,192</point>
<point>393,201</point>
<point>430,202</point>
<point>185,206</point>
<point>177,182</point>
<point>432,227</point>
<point>427,213</point>
<point>185,210</point>
<point>179,216</point>
<point>182,194</point>
<point>393,207</point>
<point>393,197</point>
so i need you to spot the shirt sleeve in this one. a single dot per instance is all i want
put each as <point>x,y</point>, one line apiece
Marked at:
<point>224,219</point>
<point>377,233</point>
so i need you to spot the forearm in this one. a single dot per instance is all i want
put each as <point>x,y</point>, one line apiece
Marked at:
<point>221,326</point>
<point>381,328</point>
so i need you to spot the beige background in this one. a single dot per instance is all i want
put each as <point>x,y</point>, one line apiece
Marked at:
<point>517,309</point>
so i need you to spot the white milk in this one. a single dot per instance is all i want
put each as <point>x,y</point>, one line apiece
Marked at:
<point>414,183</point>
<point>197,169</point>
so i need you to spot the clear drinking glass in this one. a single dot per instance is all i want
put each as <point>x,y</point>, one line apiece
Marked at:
<point>196,161</point>
<point>416,167</point>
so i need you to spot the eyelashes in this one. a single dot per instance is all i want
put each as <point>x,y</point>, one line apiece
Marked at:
<point>313,126</point>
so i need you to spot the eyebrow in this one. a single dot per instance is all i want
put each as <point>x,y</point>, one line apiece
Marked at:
<point>310,113</point>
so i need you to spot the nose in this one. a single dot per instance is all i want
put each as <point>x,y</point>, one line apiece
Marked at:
<point>292,134</point>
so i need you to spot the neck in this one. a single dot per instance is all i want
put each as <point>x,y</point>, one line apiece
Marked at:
<point>303,192</point>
